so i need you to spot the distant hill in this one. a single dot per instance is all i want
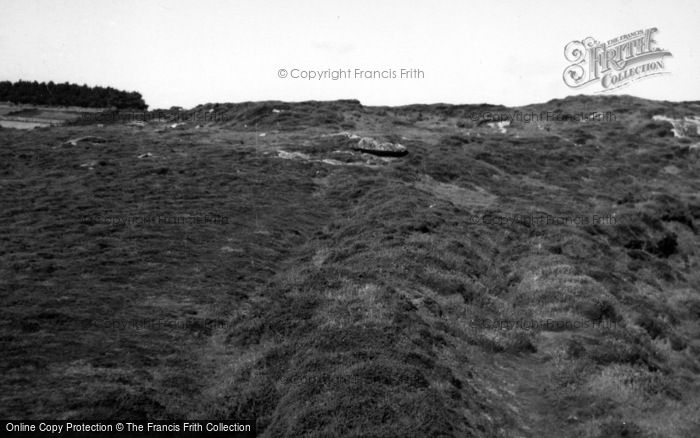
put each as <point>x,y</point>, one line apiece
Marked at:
<point>536,278</point>
<point>65,94</point>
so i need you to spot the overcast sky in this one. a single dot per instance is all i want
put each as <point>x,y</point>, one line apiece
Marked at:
<point>189,52</point>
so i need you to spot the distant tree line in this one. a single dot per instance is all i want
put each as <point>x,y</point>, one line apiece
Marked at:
<point>65,94</point>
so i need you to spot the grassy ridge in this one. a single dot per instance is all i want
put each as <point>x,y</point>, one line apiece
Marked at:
<point>352,300</point>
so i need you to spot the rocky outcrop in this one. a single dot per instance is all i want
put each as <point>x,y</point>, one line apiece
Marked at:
<point>685,127</point>
<point>89,139</point>
<point>386,149</point>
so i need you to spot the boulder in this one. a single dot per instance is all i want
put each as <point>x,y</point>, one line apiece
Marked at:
<point>501,126</point>
<point>374,147</point>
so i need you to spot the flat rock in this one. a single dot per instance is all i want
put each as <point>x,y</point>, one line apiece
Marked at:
<point>374,147</point>
<point>292,155</point>
<point>88,138</point>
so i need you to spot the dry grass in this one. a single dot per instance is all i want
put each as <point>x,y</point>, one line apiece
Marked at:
<point>348,300</point>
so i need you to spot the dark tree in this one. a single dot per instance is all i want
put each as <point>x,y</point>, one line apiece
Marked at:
<point>40,93</point>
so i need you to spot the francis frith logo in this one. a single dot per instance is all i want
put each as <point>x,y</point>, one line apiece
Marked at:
<point>616,62</point>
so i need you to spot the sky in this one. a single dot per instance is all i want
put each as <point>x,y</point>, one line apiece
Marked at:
<point>190,52</point>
